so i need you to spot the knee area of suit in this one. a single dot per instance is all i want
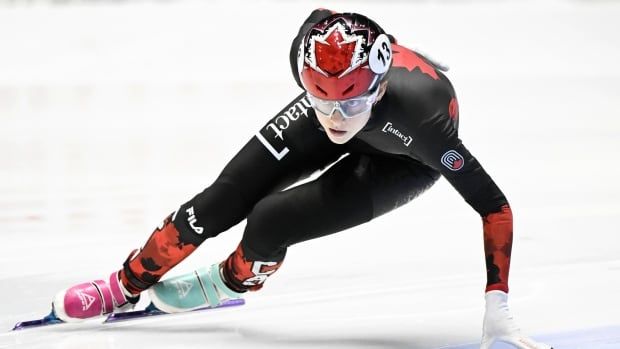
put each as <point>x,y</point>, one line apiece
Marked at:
<point>265,228</point>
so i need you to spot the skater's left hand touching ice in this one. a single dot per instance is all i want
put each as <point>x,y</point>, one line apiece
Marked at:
<point>500,326</point>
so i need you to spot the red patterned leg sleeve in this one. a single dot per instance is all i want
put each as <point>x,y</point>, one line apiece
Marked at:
<point>242,274</point>
<point>162,251</point>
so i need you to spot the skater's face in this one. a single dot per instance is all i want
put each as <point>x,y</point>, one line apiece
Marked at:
<point>341,129</point>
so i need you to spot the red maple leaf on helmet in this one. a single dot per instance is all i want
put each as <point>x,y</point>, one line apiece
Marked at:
<point>334,57</point>
<point>408,59</point>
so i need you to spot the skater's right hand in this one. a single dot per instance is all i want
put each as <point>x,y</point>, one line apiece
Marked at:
<point>499,325</point>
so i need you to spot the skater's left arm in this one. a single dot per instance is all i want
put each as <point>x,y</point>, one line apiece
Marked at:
<point>438,145</point>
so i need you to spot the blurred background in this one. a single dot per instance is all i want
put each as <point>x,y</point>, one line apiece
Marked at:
<point>113,113</point>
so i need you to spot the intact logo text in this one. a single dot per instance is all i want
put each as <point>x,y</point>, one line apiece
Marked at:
<point>388,128</point>
<point>275,129</point>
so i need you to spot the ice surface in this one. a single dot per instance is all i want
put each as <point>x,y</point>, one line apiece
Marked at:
<point>114,114</point>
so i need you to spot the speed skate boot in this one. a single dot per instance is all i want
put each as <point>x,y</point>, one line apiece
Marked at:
<point>92,299</point>
<point>214,286</point>
<point>202,288</point>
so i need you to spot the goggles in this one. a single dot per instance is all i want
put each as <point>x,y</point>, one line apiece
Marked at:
<point>349,108</point>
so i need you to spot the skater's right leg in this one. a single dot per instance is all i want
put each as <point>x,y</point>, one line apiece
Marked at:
<point>355,190</point>
<point>288,148</point>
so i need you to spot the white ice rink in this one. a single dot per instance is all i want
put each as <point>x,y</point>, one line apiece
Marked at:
<point>114,113</point>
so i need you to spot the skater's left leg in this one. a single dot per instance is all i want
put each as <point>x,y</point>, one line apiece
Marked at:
<point>355,190</point>
<point>257,170</point>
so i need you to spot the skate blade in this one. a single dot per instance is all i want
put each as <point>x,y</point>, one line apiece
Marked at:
<point>50,319</point>
<point>151,311</point>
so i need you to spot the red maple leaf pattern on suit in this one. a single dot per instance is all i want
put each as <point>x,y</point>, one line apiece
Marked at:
<point>406,58</point>
<point>453,108</point>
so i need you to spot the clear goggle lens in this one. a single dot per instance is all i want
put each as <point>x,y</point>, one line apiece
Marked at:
<point>348,108</point>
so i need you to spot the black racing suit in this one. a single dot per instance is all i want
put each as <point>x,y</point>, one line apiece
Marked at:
<point>410,140</point>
